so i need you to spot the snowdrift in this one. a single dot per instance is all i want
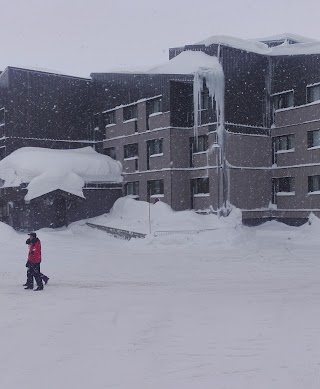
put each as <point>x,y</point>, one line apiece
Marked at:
<point>139,216</point>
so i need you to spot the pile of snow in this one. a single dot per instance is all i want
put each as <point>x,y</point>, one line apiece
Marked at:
<point>141,216</point>
<point>188,62</point>
<point>46,170</point>
<point>7,234</point>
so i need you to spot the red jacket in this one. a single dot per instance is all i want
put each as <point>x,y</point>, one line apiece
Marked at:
<point>35,252</point>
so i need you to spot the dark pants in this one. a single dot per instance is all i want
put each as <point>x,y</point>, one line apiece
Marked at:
<point>34,273</point>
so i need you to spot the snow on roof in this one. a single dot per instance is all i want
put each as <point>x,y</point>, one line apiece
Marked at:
<point>188,62</point>
<point>43,70</point>
<point>46,170</point>
<point>305,45</point>
<point>286,36</point>
<point>237,43</point>
<point>296,49</point>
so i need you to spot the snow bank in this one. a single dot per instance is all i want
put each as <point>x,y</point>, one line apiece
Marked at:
<point>133,215</point>
<point>46,170</point>
<point>8,234</point>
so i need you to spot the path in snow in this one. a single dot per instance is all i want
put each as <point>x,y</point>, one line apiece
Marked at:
<point>235,310</point>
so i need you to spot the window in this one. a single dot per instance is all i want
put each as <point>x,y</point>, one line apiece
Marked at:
<point>313,138</point>
<point>313,93</point>
<point>284,184</point>
<point>154,106</point>
<point>109,118</point>
<point>111,152</point>
<point>132,188</point>
<point>131,151</point>
<point>155,146</point>
<point>200,143</point>
<point>204,100</point>
<point>96,185</point>
<point>282,100</point>
<point>284,142</point>
<point>130,112</point>
<point>313,184</point>
<point>155,187</point>
<point>200,185</point>
<point>2,118</point>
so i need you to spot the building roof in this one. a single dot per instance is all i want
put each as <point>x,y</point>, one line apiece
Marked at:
<point>46,170</point>
<point>42,70</point>
<point>286,36</point>
<point>301,46</point>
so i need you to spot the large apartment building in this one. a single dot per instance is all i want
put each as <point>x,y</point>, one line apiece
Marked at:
<point>263,157</point>
<point>225,121</point>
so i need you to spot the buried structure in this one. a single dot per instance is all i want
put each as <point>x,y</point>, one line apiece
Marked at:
<point>52,188</point>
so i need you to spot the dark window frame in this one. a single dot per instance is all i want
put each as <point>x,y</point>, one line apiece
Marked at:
<point>154,106</point>
<point>155,146</point>
<point>200,144</point>
<point>200,186</point>
<point>283,100</point>
<point>132,186</point>
<point>311,138</point>
<point>284,142</point>
<point>131,150</point>
<point>130,112</point>
<point>2,117</point>
<point>155,187</point>
<point>285,184</point>
<point>313,90</point>
<point>109,118</point>
<point>314,183</point>
<point>110,152</point>
<point>96,185</point>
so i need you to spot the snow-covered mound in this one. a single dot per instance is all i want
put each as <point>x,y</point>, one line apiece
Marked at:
<point>139,216</point>
<point>46,170</point>
<point>7,233</point>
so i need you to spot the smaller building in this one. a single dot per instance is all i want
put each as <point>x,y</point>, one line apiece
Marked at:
<point>51,188</point>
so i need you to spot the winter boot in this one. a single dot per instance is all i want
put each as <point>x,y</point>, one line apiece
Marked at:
<point>39,288</point>
<point>29,287</point>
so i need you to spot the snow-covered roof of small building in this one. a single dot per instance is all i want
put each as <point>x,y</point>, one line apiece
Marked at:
<point>46,170</point>
<point>187,62</point>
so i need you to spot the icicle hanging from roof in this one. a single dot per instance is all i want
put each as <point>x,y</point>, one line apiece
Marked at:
<point>214,80</point>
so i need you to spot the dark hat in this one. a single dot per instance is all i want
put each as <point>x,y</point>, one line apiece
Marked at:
<point>32,234</point>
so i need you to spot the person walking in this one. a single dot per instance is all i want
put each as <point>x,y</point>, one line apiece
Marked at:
<point>33,263</point>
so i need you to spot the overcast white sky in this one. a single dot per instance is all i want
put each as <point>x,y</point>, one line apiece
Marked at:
<point>83,36</point>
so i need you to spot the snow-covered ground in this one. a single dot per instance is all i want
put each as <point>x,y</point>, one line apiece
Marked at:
<point>235,307</point>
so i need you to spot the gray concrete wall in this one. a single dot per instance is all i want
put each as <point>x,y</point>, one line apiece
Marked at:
<point>297,115</point>
<point>294,163</point>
